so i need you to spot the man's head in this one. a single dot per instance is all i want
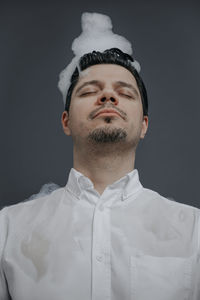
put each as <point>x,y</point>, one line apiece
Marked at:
<point>107,81</point>
<point>110,56</point>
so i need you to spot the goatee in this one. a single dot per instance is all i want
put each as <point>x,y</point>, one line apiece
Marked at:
<point>107,135</point>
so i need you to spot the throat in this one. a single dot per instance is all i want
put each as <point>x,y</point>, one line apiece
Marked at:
<point>104,169</point>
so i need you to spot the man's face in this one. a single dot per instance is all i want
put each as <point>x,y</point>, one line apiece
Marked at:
<point>103,88</point>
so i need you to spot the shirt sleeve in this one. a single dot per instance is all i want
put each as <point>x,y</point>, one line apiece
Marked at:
<point>4,294</point>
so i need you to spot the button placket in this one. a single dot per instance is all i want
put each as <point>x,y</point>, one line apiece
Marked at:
<point>100,246</point>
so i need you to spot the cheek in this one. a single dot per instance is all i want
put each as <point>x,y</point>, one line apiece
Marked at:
<point>78,118</point>
<point>135,112</point>
<point>135,119</point>
<point>79,106</point>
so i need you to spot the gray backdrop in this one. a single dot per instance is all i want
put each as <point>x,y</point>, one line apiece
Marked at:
<point>35,46</point>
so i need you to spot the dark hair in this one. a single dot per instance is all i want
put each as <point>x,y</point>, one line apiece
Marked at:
<point>110,56</point>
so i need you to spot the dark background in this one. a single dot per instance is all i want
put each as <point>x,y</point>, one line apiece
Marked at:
<point>35,45</point>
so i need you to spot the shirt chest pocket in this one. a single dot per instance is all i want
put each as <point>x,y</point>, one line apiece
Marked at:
<point>163,278</point>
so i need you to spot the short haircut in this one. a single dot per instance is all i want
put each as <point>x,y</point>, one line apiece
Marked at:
<point>110,56</point>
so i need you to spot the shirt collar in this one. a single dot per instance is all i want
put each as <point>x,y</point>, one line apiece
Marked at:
<point>127,185</point>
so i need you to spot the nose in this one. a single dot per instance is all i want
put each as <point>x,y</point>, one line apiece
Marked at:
<point>108,96</point>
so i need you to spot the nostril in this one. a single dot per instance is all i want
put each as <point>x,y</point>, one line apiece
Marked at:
<point>103,99</point>
<point>112,99</point>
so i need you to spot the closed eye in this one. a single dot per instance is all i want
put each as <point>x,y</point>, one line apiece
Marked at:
<point>125,95</point>
<point>88,93</point>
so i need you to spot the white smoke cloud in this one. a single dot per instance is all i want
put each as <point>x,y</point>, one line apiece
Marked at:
<point>97,35</point>
<point>46,189</point>
<point>171,199</point>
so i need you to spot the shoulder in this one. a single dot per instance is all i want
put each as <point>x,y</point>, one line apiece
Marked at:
<point>161,210</point>
<point>29,209</point>
<point>20,219</point>
<point>168,203</point>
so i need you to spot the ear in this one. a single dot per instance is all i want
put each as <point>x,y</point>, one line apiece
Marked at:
<point>144,126</point>
<point>65,123</point>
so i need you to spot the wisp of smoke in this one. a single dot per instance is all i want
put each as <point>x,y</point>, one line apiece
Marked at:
<point>46,189</point>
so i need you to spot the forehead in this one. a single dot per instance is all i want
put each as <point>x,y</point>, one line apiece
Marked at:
<point>107,73</point>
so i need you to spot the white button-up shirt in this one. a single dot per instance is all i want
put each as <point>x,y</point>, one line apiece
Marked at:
<point>129,243</point>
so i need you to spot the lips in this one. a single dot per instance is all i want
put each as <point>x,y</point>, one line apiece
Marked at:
<point>107,111</point>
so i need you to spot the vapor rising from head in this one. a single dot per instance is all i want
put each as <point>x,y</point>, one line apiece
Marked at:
<point>96,35</point>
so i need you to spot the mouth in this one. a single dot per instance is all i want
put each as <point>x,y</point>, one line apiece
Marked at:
<point>107,112</point>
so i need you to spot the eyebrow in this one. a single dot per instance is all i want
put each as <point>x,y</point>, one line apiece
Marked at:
<point>116,84</point>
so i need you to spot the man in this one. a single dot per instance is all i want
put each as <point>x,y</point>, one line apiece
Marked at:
<point>102,236</point>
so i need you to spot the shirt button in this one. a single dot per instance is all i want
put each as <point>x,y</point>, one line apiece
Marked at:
<point>99,258</point>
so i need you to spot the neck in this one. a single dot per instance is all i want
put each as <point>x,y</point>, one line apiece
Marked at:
<point>103,166</point>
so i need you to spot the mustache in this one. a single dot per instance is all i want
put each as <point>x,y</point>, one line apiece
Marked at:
<point>94,112</point>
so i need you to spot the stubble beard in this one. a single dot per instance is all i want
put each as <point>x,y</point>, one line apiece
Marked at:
<point>106,135</point>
